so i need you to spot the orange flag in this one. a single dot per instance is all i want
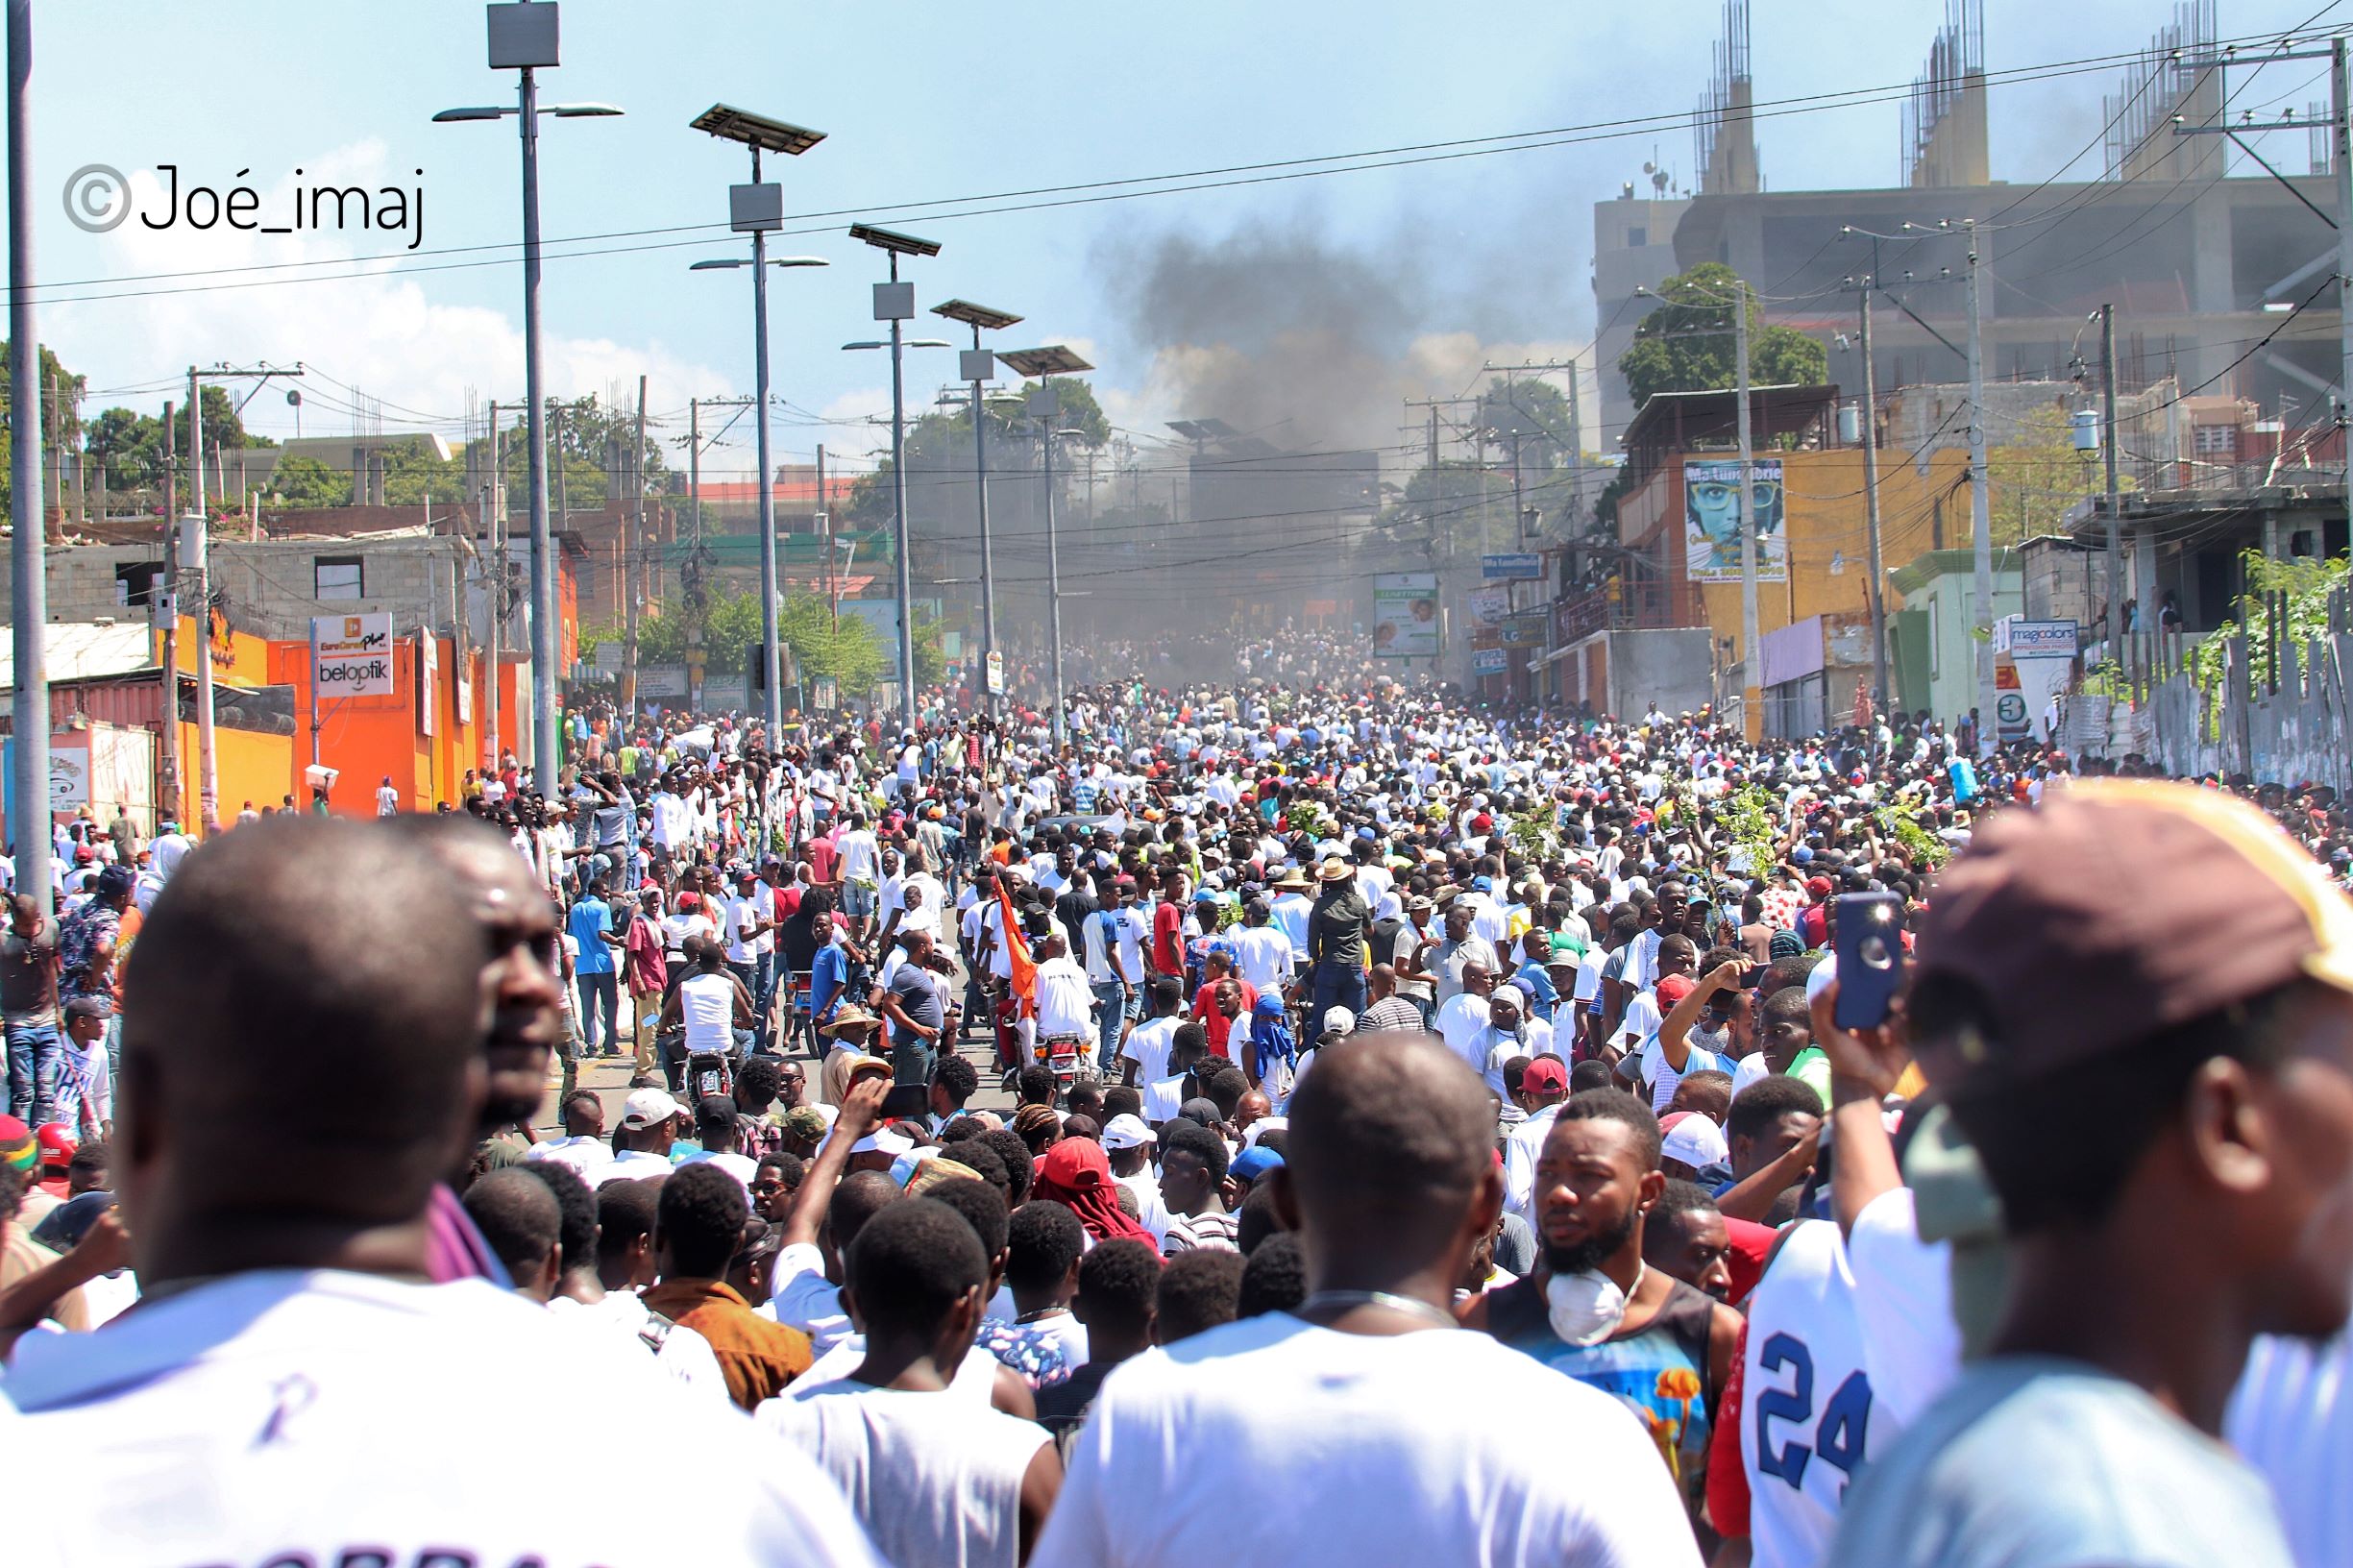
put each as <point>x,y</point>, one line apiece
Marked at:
<point>1017,953</point>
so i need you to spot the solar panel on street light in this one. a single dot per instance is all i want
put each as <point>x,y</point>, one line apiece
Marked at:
<point>887,239</point>
<point>1053,359</point>
<point>732,124</point>
<point>974,315</point>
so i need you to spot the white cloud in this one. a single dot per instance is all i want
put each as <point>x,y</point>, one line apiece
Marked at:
<point>381,332</point>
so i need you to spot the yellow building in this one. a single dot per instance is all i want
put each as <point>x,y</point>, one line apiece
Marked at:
<point>1678,526</point>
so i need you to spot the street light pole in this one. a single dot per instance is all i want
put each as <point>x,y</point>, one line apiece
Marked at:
<point>977,366</point>
<point>772,667</point>
<point>899,510</point>
<point>29,598</point>
<point>545,760</point>
<point>1043,404</point>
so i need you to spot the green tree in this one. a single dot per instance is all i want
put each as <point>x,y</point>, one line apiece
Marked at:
<point>69,390</point>
<point>2036,476</point>
<point>1536,413</point>
<point>1688,343</point>
<point>306,482</point>
<point>852,655</point>
<point>129,446</point>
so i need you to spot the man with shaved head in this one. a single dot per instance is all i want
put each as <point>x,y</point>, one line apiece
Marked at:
<point>1390,1181</point>
<point>297,1075</point>
<point>522,969</point>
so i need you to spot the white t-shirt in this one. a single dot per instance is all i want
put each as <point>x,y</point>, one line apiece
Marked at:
<point>1805,1359</point>
<point>684,1353</point>
<point>284,1415</point>
<point>1149,1043</point>
<point>861,859</point>
<point>1436,1468</point>
<point>707,1004</point>
<point>934,1478</point>
<point>804,1299</point>
<point>587,1155</point>
<point>1264,955</point>
<point>631,1166</point>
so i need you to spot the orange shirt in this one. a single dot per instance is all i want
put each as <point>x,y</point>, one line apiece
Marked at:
<point>757,1358</point>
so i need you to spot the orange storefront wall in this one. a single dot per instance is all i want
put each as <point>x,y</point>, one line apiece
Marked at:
<point>369,739</point>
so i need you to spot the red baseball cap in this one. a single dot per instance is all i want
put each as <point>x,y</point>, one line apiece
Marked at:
<point>1673,988</point>
<point>1545,1076</point>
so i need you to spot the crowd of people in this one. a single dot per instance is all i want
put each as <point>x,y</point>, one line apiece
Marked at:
<point>1280,1111</point>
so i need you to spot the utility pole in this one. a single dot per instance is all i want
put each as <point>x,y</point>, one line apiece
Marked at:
<point>2116,522</point>
<point>169,738</point>
<point>637,502</point>
<point>1053,563</point>
<point>196,549</point>
<point>198,526</point>
<point>1871,506</point>
<point>494,518</point>
<point>1981,508</point>
<point>824,518</point>
<point>29,594</point>
<point>633,587</point>
<point>2342,105</point>
<point>1751,671</point>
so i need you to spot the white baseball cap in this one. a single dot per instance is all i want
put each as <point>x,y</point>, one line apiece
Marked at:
<point>1127,1131</point>
<point>646,1107</point>
<point>1695,1141</point>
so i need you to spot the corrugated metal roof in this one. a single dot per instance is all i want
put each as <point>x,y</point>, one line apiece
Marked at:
<point>80,649</point>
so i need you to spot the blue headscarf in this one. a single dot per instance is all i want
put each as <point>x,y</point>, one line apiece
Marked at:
<point>1270,1034</point>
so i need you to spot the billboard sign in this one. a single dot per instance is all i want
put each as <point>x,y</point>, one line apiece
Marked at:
<point>350,655</point>
<point>1489,661</point>
<point>1526,629</point>
<point>1712,513</point>
<point>1488,605</point>
<point>2024,639</point>
<point>1406,615</point>
<point>1519,565</point>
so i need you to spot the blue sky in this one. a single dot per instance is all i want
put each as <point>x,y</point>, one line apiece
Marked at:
<point>1470,258</point>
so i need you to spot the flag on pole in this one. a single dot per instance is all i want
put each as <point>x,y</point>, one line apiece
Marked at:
<point>1024,972</point>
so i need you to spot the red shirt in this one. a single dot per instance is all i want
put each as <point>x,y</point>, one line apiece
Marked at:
<point>821,857</point>
<point>1214,1021</point>
<point>1168,939</point>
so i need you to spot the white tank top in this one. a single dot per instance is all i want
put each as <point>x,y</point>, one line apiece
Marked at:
<point>1806,1418</point>
<point>936,1478</point>
<point>707,1004</point>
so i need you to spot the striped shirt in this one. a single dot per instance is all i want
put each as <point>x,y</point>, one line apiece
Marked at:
<point>1209,1232</point>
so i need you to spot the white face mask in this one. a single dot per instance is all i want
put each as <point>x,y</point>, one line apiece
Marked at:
<point>1587,1309</point>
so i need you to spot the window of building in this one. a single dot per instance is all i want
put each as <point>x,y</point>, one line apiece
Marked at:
<point>1635,240</point>
<point>2216,440</point>
<point>337,576</point>
<point>136,583</point>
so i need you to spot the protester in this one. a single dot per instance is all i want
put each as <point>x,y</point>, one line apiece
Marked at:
<point>305,1250</point>
<point>1391,1179</point>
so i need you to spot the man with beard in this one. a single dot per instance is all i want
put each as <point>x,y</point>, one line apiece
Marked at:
<point>1390,1181</point>
<point>1593,1309</point>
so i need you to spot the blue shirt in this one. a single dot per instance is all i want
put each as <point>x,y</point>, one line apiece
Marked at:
<point>589,920</point>
<point>827,973</point>
<point>1534,977</point>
